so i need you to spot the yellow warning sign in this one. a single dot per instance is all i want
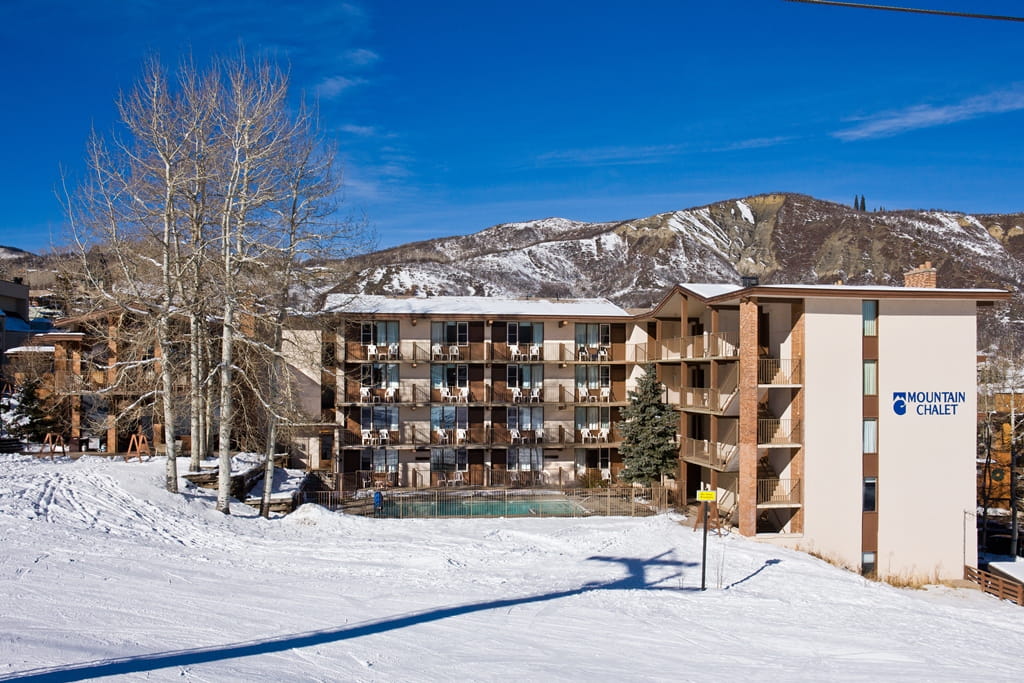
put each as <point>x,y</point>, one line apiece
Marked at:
<point>707,496</point>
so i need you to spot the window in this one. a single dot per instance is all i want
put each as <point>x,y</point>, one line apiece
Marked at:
<point>379,459</point>
<point>867,563</point>
<point>449,333</point>
<point>448,460</point>
<point>870,314</point>
<point>377,417</point>
<point>526,417</point>
<point>449,417</point>
<point>870,435</point>
<point>593,417</point>
<point>593,334</point>
<point>870,494</point>
<point>593,458</point>
<point>871,378</point>
<point>525,376</point>
<point>379,376</point>
<point>449,375</point>
<point>526,458</point>
<point>526,333</point>
<point>593,376</point>
<point>379,332</point>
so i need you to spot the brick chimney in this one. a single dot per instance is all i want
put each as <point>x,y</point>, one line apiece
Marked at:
<point>922,276</point>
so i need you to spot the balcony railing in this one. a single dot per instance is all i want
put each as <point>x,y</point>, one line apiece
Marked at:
<point>708,346</point>
<point>778,432</point>
<point>779,371</point>
<point>702,397</point>
<point>719,456</point>
<point>778,492</point>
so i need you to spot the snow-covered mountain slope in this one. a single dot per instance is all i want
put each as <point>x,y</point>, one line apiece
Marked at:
<point>780,238</point>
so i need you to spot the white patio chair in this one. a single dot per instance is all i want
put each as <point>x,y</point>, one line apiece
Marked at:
<point>517,395</point>
<point>606,394</point>
<point>371,352</point>
<point>385,436</point>
<point>513,352</point>
<point>393,351</point>
<point>364,395</point>
<point>585,435</point>
<point>368,438</point>
<point>442,479</point>
<point>538,435</point>
<point>463,395</point>
<point>602,434</point>
<point>446,394</point>
<point>535,395</point>
<point>514,436</point>
<point>457,478</point>
<point>437,352</point>
<point>535,353</point>
<point>454,352</point>
<point>602,353</point>
<point>389,395</point>
<point>460,436</point>
<point>582,353</point>
<point>442,435</point>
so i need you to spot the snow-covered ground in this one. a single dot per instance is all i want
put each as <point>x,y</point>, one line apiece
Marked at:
<point>102,573</point>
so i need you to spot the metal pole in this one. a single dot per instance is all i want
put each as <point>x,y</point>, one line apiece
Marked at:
<point>704,550</point>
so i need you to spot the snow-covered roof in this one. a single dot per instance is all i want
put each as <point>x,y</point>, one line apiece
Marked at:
<point>708,290</point>
<point>31,349</point>
<point>472,305</point>
<point>711,291</point>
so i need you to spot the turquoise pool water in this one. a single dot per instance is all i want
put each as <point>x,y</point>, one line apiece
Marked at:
<point>482,507</point>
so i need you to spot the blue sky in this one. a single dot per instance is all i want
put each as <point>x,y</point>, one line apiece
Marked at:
<point>453,116</point>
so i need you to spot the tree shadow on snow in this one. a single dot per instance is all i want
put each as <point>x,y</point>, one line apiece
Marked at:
<point>635,579</point>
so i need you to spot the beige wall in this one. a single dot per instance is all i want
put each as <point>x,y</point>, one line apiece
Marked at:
<point>926,479</point>
<point>832,429</point>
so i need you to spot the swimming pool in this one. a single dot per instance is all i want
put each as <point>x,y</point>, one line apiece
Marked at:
<point>479,506</point>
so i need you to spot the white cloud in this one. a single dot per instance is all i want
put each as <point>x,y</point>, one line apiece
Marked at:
<point>610,156</point>
<point>330,88</point>
<point>887,124</point>
<point>361,131</point>
<point>756,143</point>
<point>361,57</point>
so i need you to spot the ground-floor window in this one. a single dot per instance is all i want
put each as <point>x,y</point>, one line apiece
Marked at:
<point>448,460</point>
<point>525,459</point>
<point>379,459</point>
<point>867,563</point>
<point>593,458</point>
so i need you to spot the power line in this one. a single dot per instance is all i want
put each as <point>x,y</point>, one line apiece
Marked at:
<point>911,10</point>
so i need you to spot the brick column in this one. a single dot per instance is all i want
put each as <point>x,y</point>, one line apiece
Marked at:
<point>797,465</point>
<point>748,418</point>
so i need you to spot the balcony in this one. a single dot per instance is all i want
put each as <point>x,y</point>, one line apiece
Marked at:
<point>776,432</point>
<point>707,399</point>
<point>718,456</point>
<point>778,493</point>
<point>707,346</point>
<point>779,372</point>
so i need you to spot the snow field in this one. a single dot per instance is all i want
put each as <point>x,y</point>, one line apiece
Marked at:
<point>104,573</point>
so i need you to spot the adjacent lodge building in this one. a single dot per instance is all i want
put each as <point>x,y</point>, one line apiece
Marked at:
<point>835,419</point>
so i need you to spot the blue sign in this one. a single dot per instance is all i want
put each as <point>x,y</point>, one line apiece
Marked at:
<point>927,402</point>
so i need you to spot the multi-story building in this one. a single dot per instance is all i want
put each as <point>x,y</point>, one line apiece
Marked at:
<point>837,419</point>
<point>419,391</point>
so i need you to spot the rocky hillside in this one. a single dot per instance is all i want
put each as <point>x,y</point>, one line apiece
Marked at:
<point>782,238</point>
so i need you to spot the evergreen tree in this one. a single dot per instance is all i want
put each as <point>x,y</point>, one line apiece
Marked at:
<point>32,420</point>
<point>856,202</point>
<point>863,203</point>
<point>649,425</point>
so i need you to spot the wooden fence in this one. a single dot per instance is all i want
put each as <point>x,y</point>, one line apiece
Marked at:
<point>1004,589</point>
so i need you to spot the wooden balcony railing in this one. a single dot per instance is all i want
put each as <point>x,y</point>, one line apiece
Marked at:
<point>719,456</point>
<point>779,371</point>
<point>701,397</point>
<point>707,346</point>
<point>778,492</point>
<point>778,432</point>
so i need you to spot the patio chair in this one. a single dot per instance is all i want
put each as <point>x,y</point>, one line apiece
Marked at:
<point>513,352</point>
<point>437,352</point>
<point>454,352</point>
<point>442,479</point>
<point>368,438</point>
<point>442,435</point>
<point>538,435</point>
<point>446,394</point>
<point>456,479</point>
<point>585,435</point>
<point>517,395</point>
<point>389,395</point>
<point>602,434</point>
<point>393,351</point>
<point>582,353</point>
<point>535,395</point>
<point>366,480</point>
<point>606,394</point>
<point>364,394</point>
<point>463,395</point>
<point>385,436</point>
<point>371,352</point>
<point>602,353</point>
<point>514,436</point>
<point>460,436</point>
<point>535,353</point>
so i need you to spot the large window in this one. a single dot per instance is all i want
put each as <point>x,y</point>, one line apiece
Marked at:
<point>870,494</point>
<point>870,315</point>
<point>449,375</point>
<point>593,417</point>
<point>379,376</point>
<point>871,378</point>
<point>449,333</point>
<point>593,376</point>
<point>870,435</point>
<point>376,417</point>
<point>526,333</point>
<point>526,458</point>
<point>448,460</point>
<point>379,332</point>
<point>593,334</point>
<point>449,417</point>
<point>525,376</point>
<point>525,417</point>
<point>379,459</point>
